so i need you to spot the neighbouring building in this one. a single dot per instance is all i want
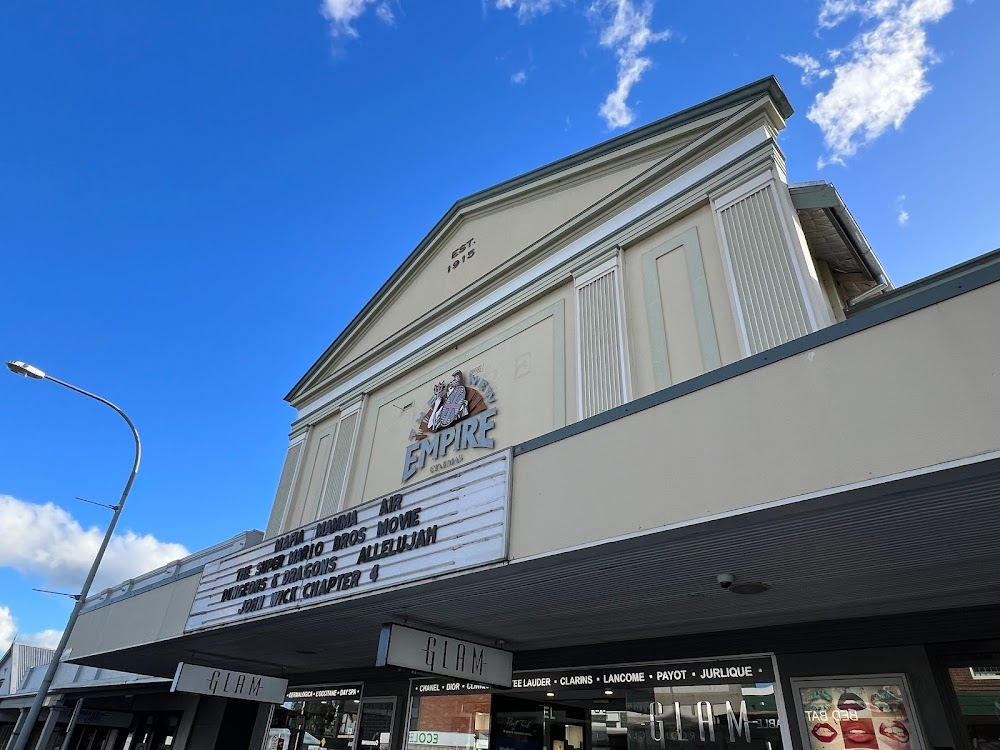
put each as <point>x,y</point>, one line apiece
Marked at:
<point>95,708</point>
<point>655,425</point>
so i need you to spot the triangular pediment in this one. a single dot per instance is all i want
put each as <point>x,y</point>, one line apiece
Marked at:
<point>492,231</point>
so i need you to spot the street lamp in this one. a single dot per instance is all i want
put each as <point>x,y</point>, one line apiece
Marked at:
<point>23,733</point>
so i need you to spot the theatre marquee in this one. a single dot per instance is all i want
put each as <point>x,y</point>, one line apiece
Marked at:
<point>445,524</point>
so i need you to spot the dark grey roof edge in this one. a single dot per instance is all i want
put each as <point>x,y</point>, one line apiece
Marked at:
<point>952,282</point>
<point>768,85</point>
<point>954,275</point>
<point>822,194</point>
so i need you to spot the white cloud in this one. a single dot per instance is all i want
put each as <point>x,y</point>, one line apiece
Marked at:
<point>628,33</point>
<point>47,638</point>
<point>881,75</point>
<point>626,29</point>
<point>519,77</point>
<point>8,629</point>
<point>385,14</point>
<point>343,13</point>
<point>46,541</point>
<point>811,68</point>
<point>902,215</point>
<point>525,9</point>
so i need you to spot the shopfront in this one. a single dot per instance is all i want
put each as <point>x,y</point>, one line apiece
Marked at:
<point>725,703</point>
<point>324,716</point>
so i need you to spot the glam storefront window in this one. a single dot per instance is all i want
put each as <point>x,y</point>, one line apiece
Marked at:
<point>449,722</point>
<point>727,705</point>
<point>315,719</point>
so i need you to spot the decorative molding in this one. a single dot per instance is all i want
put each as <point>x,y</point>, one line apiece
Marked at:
<point>298,442</point>
<point>556,312</point>
<point>704,319</point>
<point>763,98</point>
<point>773,313</point>
<point>598,345</point>
<point>674,188</point>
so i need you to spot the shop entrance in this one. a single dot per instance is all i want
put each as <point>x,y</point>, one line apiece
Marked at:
<point>523,724</point>
<point>734,717</point>
<point>710,705</point>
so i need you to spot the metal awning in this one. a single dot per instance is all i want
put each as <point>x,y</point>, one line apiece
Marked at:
<point>922,543</point>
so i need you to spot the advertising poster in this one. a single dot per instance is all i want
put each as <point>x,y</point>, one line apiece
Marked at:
<point>867,715</point>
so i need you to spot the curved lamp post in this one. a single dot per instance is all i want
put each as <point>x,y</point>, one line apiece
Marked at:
<point>20,737</point>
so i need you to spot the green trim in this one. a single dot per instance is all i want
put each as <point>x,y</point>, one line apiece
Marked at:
<point>707,336</point>
<point>555,311</point>
<point>708,342</point>
<point>654,314</point>
<point>559,364</point>
<point>948,284</point>
<point>675,207</point>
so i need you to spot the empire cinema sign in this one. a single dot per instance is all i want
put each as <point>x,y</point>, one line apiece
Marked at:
<point>438,526</point>
<point>460,416</point>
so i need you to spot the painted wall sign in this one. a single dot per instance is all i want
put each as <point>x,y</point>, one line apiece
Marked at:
<point>438,526</point>
<point>460,416</point>
<point>423,651</point>
<point>227,683</point>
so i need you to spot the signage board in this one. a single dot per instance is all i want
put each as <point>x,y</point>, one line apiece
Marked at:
<point>751,670</point>
<point>460,416</point>
<point>443,739</point>
<point>439,526</point>
<point>352,690</point>
<point>101,718</point>
<point>423,651</point>
<point>228,683</point>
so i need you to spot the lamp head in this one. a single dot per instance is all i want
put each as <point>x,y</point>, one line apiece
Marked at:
<point>23,368</point>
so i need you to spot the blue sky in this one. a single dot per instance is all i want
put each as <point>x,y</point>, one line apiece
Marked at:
<point>196,198</point>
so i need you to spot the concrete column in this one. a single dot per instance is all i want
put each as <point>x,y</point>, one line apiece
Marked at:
<point>48,727</point>
<point>18,726</point>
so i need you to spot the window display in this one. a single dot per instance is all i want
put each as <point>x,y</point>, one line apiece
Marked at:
<point>310,719</point>
<point>719,703</point>
<point>870,712</point>
<point>449,722</point>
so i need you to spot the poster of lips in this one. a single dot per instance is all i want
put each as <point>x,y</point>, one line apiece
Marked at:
<point>858,715</point>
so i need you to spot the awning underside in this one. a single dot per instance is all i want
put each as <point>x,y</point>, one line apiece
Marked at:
<point>923,543</point>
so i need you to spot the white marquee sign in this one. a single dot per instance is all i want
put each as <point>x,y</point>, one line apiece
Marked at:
<point>441,525</point>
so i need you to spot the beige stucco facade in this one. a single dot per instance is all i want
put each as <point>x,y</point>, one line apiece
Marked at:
<point>837,416</point>
<point>589,284</point>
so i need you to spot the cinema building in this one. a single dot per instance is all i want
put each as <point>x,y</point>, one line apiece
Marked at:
<point>638,450</point>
